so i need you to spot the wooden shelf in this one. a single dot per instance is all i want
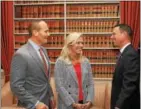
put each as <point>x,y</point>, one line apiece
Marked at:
<point>52,48</point>
<point>93,18</point>
<point>28,34</point>
<point>93,2</point>
<point>94,33</point>
<point>68,18</point>
<point>101,48</point>
<point>41,4</point>
<point>103,63</point>
<point>103,79</point>
<point>30,19</point>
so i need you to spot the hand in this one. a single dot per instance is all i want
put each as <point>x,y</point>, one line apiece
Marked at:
<point>87,105</point>
<point>77,106</point>
<point>116,108</point>
<point>53,104</point>
<point>41,105</point>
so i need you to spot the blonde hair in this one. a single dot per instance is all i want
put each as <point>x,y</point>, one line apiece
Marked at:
<point>70,39</point>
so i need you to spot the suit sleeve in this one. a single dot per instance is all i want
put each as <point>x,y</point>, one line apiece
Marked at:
<point>130,78</point>
<point>90,96</point>
<point>59,80</point>
<point>17,80</point>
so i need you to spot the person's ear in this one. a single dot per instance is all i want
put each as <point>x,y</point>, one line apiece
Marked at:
<point>35,32</point>
<point>124,33</point>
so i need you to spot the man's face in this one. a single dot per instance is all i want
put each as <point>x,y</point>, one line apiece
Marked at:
<point>43,33</point>
<point>117,36</point>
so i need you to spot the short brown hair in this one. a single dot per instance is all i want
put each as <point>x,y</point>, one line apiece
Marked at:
<point>33,26</point>
<point>126,28</point>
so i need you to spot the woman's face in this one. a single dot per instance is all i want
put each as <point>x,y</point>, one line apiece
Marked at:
<point>77,47</point>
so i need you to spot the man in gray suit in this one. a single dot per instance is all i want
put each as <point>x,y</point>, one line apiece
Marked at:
<point>30,70</point>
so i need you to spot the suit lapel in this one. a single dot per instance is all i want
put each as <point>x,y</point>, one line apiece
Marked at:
<point>45,52</point>
<point>35,56</point>
<point>127,48</point>
<point>47,58</point>
<point>83,67</point>
<point>119,61</point>
<point>71,70</point>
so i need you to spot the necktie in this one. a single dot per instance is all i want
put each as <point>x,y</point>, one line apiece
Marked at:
<point>44,61</point>
<point>118,58</point>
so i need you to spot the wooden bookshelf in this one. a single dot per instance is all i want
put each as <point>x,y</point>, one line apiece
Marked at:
<point>94,19</point>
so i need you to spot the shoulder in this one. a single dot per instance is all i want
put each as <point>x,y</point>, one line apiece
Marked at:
<point>130,52</point>
<point>21,51</point>
<point>86,60</point>
<point>60,60</point>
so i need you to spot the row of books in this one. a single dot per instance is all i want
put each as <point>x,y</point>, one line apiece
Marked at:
<point>39,11</point>
<point>98,41</point>
<point>72,11</point>
<point>101,56</point>
<point>35,1</point>
<point>52,41</point>
<point>95,56</point>
<point>21,39</point>
<point>58,41</point>
<point>89,41</point>
<point>93,10</point>
<point>90,25</point>
<point>53,54</point>
<point>54,26</point>
<point>72,26</point>
<point>103,71</point>
<point>55,41</point>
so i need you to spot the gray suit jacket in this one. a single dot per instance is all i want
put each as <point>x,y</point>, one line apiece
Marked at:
<point>28,79</point>
<point>67,85</point>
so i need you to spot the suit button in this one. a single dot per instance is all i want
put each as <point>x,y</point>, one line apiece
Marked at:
<point>69,93</point>
<point>69,85</point>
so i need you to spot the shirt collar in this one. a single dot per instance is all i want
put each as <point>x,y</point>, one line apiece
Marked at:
<point>34,45</point>
<point>122,49</point>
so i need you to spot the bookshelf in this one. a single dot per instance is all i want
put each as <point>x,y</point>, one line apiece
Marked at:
<point>94,19</point>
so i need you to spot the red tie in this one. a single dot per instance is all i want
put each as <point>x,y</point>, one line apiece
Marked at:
<point>44,61</point>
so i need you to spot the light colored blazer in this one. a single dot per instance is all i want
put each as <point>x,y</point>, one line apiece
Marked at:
<point>67,85</point>
<point>28,79</point>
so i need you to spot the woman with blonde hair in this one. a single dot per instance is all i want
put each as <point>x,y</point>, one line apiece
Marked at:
<point>73,75</point>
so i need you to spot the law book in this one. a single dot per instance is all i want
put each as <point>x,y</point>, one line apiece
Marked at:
<point>44,10</point>
<point>16,27</point>
<point>20,39</point>
<point>18,12</point>
<point>24,12</point>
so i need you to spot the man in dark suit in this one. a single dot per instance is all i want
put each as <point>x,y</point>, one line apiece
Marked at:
<point>30,70</point>
<point>125,85</point>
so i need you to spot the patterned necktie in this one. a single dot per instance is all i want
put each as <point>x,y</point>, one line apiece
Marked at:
<point>44,61</point>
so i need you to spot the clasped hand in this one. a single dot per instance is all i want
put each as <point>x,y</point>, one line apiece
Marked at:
<point>82,106</point>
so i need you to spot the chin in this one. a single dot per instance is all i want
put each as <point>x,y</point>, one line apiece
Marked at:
<point>79,53</point>
<point>45,41</point>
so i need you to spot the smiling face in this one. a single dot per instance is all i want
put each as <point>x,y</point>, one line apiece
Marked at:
<point>76,47</point>
<point>41,34</point>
